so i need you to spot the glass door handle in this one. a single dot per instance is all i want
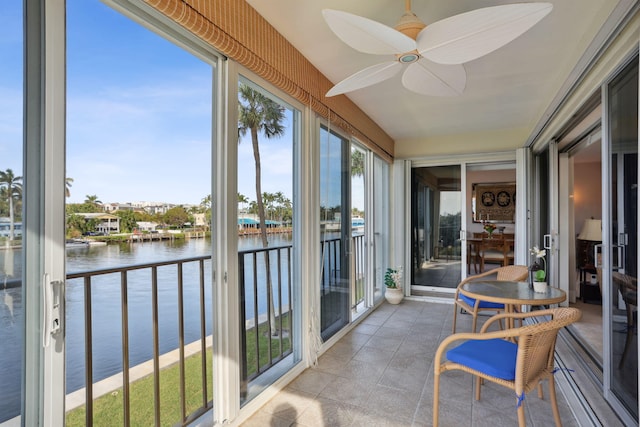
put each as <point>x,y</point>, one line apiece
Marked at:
<point>52,316</point>
<point>623,239</point>
<point>546,241</point>
<point>620,258</point>
<point>597,261</point>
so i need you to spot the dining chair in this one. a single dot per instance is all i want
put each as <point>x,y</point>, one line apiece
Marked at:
<point>511,273</point>
<point>493,356</point>
<point>473,256</point>
<point>495,251</point>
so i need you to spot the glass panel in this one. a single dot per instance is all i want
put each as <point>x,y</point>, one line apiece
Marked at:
<point>586,195</point>
<point>268,130</point>
<point>358,217</point>
<point>436,224</point>
<point>11,137</point>
<point>490,217</point>
<point>381,205</point>
<point>623,125</point>
<point>335,233</point>
<point>138,194</point>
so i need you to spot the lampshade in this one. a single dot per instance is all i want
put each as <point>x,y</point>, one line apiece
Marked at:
<point>591,230</point>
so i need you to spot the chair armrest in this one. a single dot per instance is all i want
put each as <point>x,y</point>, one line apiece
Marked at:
<point>500,316</point>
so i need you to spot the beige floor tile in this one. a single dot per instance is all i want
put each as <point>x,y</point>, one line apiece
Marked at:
<point>326,412</point>
<point>347,390</point>
<point>374,355</point>
<point>381,375</point>
<point>262,419</point>
<point>404,379</point>
<point>312,381</point>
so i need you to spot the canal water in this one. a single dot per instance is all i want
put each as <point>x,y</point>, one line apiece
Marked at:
<point>106,312</point>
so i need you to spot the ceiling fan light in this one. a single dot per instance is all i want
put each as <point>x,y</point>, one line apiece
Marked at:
<point>408,58</point>
<point>410,25</point>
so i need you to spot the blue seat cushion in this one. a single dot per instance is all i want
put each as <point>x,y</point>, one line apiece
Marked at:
<point>483,304</point>
<point>495,357</point>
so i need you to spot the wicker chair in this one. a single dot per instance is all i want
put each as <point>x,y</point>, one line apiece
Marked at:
<point>513,273</point>
<point>519,365</point>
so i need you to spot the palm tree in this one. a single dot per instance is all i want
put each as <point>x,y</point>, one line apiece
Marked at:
<point>259,114</point>
<point>67,187</point>
<point>13,188</point>
<point>205,203</point>
<point>357,162</point>
<point>242,199</point>
<point>92,200</point>
<point>269,201</point>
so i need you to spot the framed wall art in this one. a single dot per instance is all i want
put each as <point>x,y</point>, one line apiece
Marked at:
<point>494,202</point>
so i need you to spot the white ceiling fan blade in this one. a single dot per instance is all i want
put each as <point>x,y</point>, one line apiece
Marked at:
<point>367,77</point>
<point>428,78</point>
<point>366,35</point>
<point>462,38</point>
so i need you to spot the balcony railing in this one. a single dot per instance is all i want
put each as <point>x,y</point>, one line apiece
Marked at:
<point>187,412</point>
<point>332,274</point>
<point>266,312</point>
<point>265,291</point>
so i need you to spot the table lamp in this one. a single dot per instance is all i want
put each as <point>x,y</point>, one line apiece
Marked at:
<point>591,232</point>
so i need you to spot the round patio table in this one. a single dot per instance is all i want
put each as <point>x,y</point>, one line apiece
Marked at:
<point>511,294</point>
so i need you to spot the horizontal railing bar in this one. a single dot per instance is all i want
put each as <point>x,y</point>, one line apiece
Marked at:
<point>112,270</point>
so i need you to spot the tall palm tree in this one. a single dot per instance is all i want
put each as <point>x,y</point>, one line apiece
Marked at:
<point>13,188</point>
<point>257,114</point>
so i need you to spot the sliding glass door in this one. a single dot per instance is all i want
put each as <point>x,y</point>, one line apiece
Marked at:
<point>451,208</point>
<point>335,227</point>
<point>11,221</point>
<point>620,249</point>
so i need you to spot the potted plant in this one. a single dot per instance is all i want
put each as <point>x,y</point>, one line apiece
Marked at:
<point>393,282</point>
<point>539,271</point>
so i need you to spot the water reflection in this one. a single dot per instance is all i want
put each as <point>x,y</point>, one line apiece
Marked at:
<point>106,297</point>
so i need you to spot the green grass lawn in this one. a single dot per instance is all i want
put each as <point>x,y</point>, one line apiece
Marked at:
<point>108,409</point>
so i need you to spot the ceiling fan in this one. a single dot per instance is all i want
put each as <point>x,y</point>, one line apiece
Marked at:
<point>431,56</point>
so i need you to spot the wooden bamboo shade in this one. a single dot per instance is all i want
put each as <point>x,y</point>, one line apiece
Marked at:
<point>236,30</point>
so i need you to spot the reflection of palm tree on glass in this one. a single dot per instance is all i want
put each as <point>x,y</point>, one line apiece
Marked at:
<point>12,186</point>
<point>357,163</point>
<point>258,114</point>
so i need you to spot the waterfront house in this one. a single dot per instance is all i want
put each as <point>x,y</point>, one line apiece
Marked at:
<point>105,223</point>
<point>147,225</point>
<point>543,139</point>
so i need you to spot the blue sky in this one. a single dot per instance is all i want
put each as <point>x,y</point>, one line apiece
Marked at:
<point>139,114</point>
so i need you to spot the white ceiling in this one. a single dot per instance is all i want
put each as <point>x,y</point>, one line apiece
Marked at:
<point>508,89</point>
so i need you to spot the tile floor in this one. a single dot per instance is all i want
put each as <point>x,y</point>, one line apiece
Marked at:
<point>381,374</point>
